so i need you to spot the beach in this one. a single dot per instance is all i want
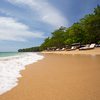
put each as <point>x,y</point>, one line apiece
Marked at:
<point>59,77</point>
<point>49,50</point>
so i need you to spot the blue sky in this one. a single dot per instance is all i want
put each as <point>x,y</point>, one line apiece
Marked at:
<point>26,23</point>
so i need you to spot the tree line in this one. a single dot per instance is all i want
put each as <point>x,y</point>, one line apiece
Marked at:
<point>35,49</point>
<point>85,31</point>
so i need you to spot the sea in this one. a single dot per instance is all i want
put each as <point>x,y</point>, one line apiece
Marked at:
<point>11,63</point>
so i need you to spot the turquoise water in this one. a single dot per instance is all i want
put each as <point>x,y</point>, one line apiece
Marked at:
<point>7,54</point>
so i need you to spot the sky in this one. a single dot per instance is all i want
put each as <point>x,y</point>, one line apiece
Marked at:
<point>26,23</point>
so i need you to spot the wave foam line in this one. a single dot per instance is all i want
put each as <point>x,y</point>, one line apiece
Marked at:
<point>10,68</point>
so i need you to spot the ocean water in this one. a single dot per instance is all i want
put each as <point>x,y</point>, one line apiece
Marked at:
<point>6,54</point>
<point>11,63</point>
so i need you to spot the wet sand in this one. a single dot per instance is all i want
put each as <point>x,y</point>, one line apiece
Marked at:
<point>59,77</point>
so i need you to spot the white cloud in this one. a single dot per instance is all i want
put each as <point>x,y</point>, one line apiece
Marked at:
<point>10,29</point>
<point>46,12</point>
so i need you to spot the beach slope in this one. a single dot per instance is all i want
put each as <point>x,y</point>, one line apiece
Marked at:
<point>59,77</point>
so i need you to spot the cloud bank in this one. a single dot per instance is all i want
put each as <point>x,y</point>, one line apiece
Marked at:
<point>10,29</point>
<point>13,30</point>
<point>45,11</point>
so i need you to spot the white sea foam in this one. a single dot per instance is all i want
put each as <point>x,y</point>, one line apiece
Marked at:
<point>10,68</point>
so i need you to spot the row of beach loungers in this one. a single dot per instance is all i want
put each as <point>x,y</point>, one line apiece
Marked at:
<point>85,47</point>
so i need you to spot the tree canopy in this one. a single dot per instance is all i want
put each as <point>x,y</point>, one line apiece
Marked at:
<point>87,30</point>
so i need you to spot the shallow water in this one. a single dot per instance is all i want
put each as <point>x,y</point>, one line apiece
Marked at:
<point>6,54</point>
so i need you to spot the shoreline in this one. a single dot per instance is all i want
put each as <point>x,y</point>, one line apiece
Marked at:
<point>11,66</point>
<point>57,77</point>
<point>95,51</point>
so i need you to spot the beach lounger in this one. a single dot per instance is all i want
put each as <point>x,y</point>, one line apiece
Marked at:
<point>62,49</point>
<point>98,45</point>
<point>72,48</point>
<point>57,49</point>
<point>88,47</point>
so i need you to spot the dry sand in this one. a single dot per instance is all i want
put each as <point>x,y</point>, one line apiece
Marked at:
<point>59,77</point>
<point>95,51</point>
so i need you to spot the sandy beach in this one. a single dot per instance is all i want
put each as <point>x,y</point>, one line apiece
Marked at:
<point>95,51</point>
<point>59,77</point>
